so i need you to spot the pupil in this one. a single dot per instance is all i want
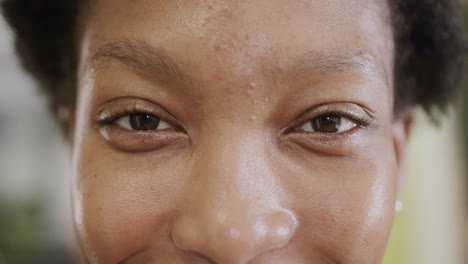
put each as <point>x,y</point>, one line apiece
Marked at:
<point>327,124</point>
<point>144,122</point>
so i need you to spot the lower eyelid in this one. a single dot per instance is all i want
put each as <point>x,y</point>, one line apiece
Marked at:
<point>141,141</point>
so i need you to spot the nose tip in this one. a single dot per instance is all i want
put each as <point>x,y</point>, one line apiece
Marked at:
<point>235,239</point>
<point>275,231</point>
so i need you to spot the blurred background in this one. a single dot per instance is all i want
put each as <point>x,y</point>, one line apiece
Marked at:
<point>35,215</point>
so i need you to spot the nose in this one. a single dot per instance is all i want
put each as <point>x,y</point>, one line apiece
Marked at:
<point>236,242</point>
<point>230,241</point>
<point>232,209</point>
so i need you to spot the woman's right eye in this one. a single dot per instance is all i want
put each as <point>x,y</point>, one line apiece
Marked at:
<point>141,122</point>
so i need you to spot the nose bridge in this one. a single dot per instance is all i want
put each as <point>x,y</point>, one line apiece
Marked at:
<point>237,164</point>
<point>233,213</point>
<point>234,174</point>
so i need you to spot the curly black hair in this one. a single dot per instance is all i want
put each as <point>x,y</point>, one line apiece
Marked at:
<point>428,34</point>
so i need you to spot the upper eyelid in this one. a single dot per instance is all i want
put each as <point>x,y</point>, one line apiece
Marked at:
<point>108,113</point>
<point>323,109</point>
<point>335,107</point>
<point>362,121</point>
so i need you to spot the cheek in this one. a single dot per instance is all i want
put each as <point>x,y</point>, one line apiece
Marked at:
<point>346,205</point>
<point>121,201</point>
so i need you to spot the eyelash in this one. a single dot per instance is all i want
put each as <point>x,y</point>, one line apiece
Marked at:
<point>109,117</point>
<point>361,121</point>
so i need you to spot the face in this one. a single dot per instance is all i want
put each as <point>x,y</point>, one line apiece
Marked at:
<point>217,131</point>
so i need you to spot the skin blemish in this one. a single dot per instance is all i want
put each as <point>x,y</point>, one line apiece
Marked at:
<point>250,89</point>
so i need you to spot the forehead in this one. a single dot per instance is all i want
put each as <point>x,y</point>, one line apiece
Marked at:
<point>244,36</point>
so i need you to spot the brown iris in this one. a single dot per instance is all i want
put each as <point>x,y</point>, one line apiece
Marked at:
<point>144,122</point>
<point>326,124</point>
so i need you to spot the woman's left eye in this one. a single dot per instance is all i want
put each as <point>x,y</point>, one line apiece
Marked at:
<point>141,122</point>
<point>329,124</point>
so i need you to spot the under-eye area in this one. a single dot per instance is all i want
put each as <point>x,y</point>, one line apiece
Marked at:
<point>333,118</point>
<point>135,124</point>
<point>336,129</point>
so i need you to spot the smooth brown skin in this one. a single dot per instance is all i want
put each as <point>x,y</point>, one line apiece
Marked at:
<point>235,178</point>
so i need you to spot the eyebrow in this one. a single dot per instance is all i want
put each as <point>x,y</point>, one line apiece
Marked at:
<point>314,63</point>
<point>141,56</point>
<point>144,57</point>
